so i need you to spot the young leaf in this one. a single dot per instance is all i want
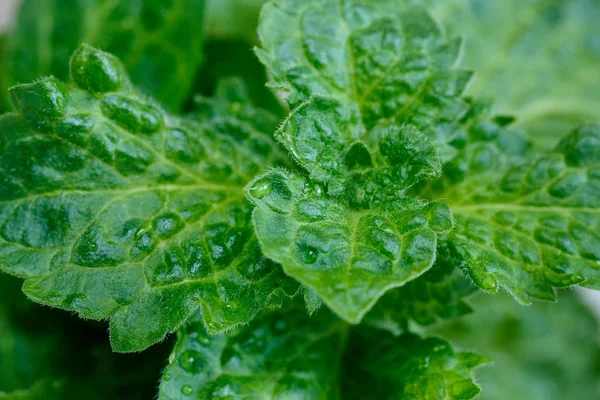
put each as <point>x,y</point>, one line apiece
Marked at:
<point>436,296</point>
<point>112,208</point>
<point>159,41</point>
<point>407,367</point>
<point>372,89</point>
<point>528,227</point>
<point>538,59</point>
<point>348,258</point>
<point>543,352</point>
<point>281,355</point>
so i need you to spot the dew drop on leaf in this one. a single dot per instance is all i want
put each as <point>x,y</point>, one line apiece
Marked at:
<point>489,284</point>
<point>280,326</point>
<point>191,361</point>
<point>203,340</point>
<point>308,254</point>
<point>260,189</point>
<point>187,390</point>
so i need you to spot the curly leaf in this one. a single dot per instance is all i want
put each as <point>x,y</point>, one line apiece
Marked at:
<point>538,59</point>
<point>436,296</point>
<point>373,90</point>
<point>525,226</point>
<point>348,258</point>
<point>159,41</point>
<point>112,208</point>
<point>407,367</point>
<point>281,355</point>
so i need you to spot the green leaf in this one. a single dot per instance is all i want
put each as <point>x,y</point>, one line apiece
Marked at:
<point>379,365</point>
<point>527,226</point>
<point>280,355</point>
<point>159,41</point>
<point>112,208</point>
<point>436,296</point>
<point>538,59</point>
<point>542,352</point>
<point>348,258</point>
<point>373,91</point>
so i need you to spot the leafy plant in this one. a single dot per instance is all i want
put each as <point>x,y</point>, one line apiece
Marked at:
<point>308,240</point>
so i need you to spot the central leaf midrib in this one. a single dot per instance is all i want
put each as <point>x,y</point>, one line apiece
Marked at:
<point>124,191</point>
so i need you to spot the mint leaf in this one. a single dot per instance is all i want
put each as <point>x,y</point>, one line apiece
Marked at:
<point>280,355</point>
<point>373,90</point>
<point>438,295</point>
<point>159,42</point>
<point>525,226</point>
<point>543,352</point>
<point>536,58</point>
<point>348,258</point>
<point>112,208</point>
<point>407,367</point>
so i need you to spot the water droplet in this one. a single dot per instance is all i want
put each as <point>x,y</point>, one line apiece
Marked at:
<point>260,189</point>
<point>166,376</point>
<point>438,348</point>
<point>187,390</point>
<point>236,107</point>
<point>203,340</point>
<point>308,254</point>
<point>280,326</point>
<point>81,70</point>
<point>192,361</point>
<point>489,284</point>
